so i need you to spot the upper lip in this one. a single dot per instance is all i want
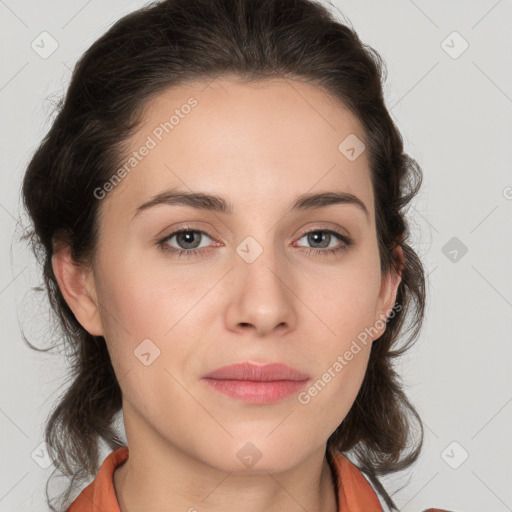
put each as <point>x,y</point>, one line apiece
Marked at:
<point>253,372</point>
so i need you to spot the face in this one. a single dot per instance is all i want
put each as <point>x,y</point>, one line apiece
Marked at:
<point>257,281</point>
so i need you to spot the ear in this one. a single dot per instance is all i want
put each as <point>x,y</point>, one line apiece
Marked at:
<point>388,291</point>
<point>77,287</point>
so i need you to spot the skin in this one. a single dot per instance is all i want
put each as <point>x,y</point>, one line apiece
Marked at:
<point>259,146</point>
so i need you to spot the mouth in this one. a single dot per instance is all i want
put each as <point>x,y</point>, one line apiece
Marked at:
<point>257,384</point>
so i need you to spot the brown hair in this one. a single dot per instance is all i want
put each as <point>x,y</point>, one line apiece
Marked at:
<point>163,45</point>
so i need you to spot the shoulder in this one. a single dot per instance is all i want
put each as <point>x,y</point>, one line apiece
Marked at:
<point>355,491</point>
<point>100,493</point>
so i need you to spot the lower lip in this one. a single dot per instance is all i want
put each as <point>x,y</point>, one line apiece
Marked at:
<point>257,392</point>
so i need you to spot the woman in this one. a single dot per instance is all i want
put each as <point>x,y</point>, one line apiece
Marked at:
<point>203,150</point>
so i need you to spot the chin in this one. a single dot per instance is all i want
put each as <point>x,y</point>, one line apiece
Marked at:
<point>256,455</point>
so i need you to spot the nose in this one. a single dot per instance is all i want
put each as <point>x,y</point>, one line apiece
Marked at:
<point>262,297</point>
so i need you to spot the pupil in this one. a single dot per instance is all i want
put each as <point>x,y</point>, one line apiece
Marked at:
<point>318,237</point>
<point>188,237</point>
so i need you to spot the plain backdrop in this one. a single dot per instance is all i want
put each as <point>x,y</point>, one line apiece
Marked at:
<point>449,89</point>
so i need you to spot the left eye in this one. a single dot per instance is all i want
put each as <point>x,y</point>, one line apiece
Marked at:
<point>313,237</point>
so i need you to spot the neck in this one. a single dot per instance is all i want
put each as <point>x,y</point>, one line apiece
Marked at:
<point>170,480</point>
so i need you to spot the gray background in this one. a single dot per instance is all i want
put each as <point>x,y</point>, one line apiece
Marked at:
<point>455,114</point>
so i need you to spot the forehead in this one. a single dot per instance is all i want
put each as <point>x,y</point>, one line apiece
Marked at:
<point>261,142</point>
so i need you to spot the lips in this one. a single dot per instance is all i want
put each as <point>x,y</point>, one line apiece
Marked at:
<point>257,373</point>
<point>257,384</point>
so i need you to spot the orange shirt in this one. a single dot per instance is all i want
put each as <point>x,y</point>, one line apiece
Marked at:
<point>354,492</point>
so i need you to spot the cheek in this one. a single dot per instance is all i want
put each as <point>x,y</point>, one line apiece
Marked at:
<point>344,302</point>
<point>333,390</point>
<point>323,406</point>
<point>346,306</point>
<point>139,299</point>
<point>133,321</point>
<point>149,320</point>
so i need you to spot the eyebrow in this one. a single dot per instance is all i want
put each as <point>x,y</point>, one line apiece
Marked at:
<point>218,204</point>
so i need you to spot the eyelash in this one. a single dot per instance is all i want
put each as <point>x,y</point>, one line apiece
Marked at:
<point>347,242</point>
